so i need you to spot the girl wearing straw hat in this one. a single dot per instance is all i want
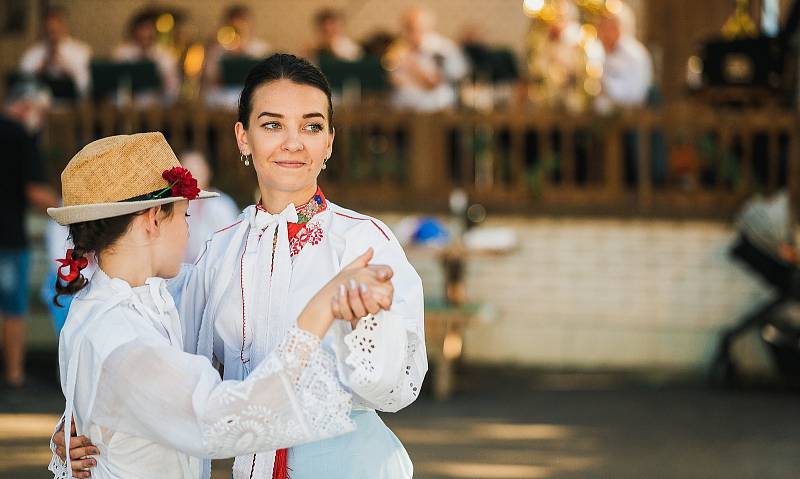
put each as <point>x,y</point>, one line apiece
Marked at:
<point>151,409</point>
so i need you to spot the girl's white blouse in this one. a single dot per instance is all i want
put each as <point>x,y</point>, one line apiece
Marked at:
<point>247,288</point>
<point>154,410</point>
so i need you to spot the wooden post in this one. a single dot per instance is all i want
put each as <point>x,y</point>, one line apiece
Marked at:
<point>746,181</point>
<point>568,170</point>
<point>519,171</point>
<point>645,161</point>
<point>774,159</point>
<point>793,174</point>
<point>544,150</point>
<point>726,147</point>
<point>428,172</point>
<point>612,160</point>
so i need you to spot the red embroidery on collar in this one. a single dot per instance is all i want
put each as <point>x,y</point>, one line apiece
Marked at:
<point>303,232</point>
<point>310,233</point>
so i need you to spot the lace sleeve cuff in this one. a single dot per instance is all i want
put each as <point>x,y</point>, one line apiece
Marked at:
<point>376,350</point>
<point>56,466</point>
<point>312,372</point>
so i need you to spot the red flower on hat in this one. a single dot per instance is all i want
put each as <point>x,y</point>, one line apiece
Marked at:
<point>181,182</point>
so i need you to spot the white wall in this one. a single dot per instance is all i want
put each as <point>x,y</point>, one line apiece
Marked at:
<point>592,293</point>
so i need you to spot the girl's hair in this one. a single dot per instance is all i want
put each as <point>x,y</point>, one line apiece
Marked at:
<point>277,67</point>
<point>95,236</point>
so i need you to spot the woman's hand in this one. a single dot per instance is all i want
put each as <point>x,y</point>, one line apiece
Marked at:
<point>359,289</point>
<point>80,448</point>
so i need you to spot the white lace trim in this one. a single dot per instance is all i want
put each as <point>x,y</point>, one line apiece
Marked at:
<point>362,343</point>
<point>323,405</point>
<point>312,370</point>
<point>367,371</point>
<point>57,466</point>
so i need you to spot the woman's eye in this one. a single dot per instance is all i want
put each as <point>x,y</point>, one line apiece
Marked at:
<point>272,125</point>
<point>315,127</point>
<point>187,215</point>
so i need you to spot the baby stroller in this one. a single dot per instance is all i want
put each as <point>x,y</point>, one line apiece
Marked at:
<point>765,232</point>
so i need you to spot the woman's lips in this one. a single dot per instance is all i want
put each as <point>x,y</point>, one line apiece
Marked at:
<point>290,164</point>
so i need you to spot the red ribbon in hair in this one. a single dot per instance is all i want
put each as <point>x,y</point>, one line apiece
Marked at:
<point>75,267</point>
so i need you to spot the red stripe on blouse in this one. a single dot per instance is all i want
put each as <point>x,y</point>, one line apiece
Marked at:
<point>367,219</point>
<point>212,234</point>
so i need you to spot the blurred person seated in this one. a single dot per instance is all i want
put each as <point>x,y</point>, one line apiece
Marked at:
<point>331,38</point>
<point>494,78</point>
<point>424,65</point>
<point>234,40</point>
<point>205,219</point>
<point>141,46</point>
<point>22,184</point>
<point>628,67</point>
<point>58,57</point>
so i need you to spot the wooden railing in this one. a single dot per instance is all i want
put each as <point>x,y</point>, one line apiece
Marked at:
<point>683,161</point>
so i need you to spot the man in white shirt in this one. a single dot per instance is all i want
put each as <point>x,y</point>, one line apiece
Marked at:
<point>141,45</point>
<point>58,55</point>
<point>628,67</point>
<point>331,37</point>
<point>424,65</point>
<point>235,38</point>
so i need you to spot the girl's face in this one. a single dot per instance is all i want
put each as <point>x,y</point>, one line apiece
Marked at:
<point>171,243</point>
<point>288,137</point>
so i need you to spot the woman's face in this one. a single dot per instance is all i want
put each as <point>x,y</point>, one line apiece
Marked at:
<point>288,137</point>
<point>173,235</point>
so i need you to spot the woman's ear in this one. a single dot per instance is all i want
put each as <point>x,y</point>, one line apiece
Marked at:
<point>241,138</point>
<point>329,150</point>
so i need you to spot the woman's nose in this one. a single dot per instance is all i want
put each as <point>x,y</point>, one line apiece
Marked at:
<point>292,143</point>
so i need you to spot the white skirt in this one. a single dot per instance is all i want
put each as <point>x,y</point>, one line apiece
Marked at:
<point>372,451</point>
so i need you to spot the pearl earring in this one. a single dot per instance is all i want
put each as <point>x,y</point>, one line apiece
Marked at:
<point>245,159</point>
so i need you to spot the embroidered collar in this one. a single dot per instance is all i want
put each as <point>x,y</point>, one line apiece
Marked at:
<point>317,204</point>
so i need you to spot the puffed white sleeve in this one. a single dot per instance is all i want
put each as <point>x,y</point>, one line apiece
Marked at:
<point>383,360</point>
<point>178,400</point>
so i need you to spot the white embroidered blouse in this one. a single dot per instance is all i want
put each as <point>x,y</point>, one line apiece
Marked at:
<point>153,410</point>
<point>243,292</point>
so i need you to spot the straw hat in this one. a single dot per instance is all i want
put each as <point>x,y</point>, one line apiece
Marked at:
<point>119,175</point>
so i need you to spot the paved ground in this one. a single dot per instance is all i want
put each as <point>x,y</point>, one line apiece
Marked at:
<point>528,424</point>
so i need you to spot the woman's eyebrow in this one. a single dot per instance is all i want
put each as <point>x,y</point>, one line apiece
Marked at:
<point>314,115</point>
<point>267,113</point>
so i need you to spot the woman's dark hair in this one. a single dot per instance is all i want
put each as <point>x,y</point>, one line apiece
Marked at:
<point>95,236</point>
<point>277,67</point>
